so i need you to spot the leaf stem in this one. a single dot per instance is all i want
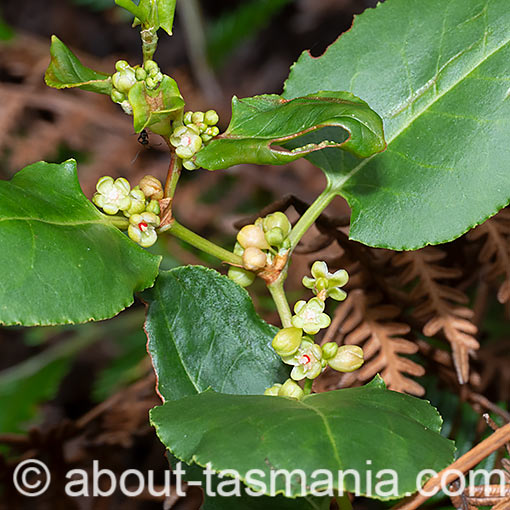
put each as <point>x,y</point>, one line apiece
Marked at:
<point>310,215</point>
<point>149,38</point>
<point>343,501</point>
<point>280,300</point>
<point>174,172</point>
<point>183,233</point>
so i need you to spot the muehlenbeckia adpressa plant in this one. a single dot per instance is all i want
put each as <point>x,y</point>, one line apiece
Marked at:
<point>214,357</point>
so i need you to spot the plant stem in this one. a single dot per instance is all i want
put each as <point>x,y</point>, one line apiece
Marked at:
<point>343,501</point>
<point>310,215</point>
<point>149,42</point>
<point>308,386</point>
<point>174,172</point>
<point>280,300</point>
<point>181,232</point>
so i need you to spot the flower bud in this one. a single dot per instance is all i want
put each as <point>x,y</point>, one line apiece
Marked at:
<point>211,118</point>
<point>137,202</point>
<point>277,219</point>
<point>120,65</point>
<point>189,164</point>
<point>252,235</point>
<point>188,118</point>
<point>291,389</point>
<point>150,83</point>
<point>151,187</point>
<point>347,359</point>
<point>197,118</point>
<point>287,341</point>
<point>273,391</point>
<point>329,350</point>
<point>275,236</point>
<point>153,207</point>
<point>240,276</point>
<point>151,67</point>
<point>254,259</point>
<point>140,74</point>
<point>117,96</point>
<point>124,80</point>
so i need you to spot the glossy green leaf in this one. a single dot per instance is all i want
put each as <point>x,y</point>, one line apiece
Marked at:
<point>439,76</point>
<point>151,107</point>
<point>152,13</point>
<point>204,333</point>
<point>336,430</point>
<point>261,124</point>
<point>66,71</point>
<point>64,262</point>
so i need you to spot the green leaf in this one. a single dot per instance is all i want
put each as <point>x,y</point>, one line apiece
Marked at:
<point>260,122</point>
<point>336,430</point>
<point>204,332</point>
<point>66,71</point>
<point>439,77</point>
<point>152,13</point>
<point>64,262</point>
<point>151,107</point>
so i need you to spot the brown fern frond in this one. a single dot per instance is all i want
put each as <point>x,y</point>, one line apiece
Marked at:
<point>362,320</point>
<point>439,306</point>
<point>495,252</point>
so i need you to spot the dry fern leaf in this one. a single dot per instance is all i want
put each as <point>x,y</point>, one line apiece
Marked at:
<point>368,323</point>
<point>439,306</point>
<point>495,252</point>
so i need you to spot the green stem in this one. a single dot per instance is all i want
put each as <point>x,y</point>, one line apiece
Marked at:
<point>343,501</point>
<point>310,215</point>
<point>149,42</point>
<point>174,172</point>
<point>308,386</point>
<point>280,300</point>
<point>181,232</point>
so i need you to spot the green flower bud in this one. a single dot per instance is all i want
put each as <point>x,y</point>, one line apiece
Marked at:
<point>254,259</point>
<point>150,83</point>
<point>124,80</point>
<point>188,118</point>
<point>238,249</point>
<point>287,341</point>
<point>189,164</point>
<point>126,106</point>
<point>329,350</point>
<point>137,202</point>
<point>153,207</point>
<point>194,128</point>
<point>142,228</point>
<point>291,389</point>
<point>211,118</point>
<point>151,187</point>
<point>277,219</point>
<point>121,65</point>
<point>275,236</point>
<point>202,127</point>
<point>347,359</point>
<point>206,138</point>
<point>252,235</point>
<point>151,67</point>
<point>240,276</point>
<point>111,195</point>
<point>273,391</point>
<point>158,77</point>
<point>117,96</point>
<point>197,118</point>
<point>140,74</point>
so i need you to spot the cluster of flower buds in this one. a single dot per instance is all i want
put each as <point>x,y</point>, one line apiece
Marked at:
<point>126,76</point>
<point>140,204</point>
<point>189,135</point>
<point>257,244</point>
<point>298,349</point>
